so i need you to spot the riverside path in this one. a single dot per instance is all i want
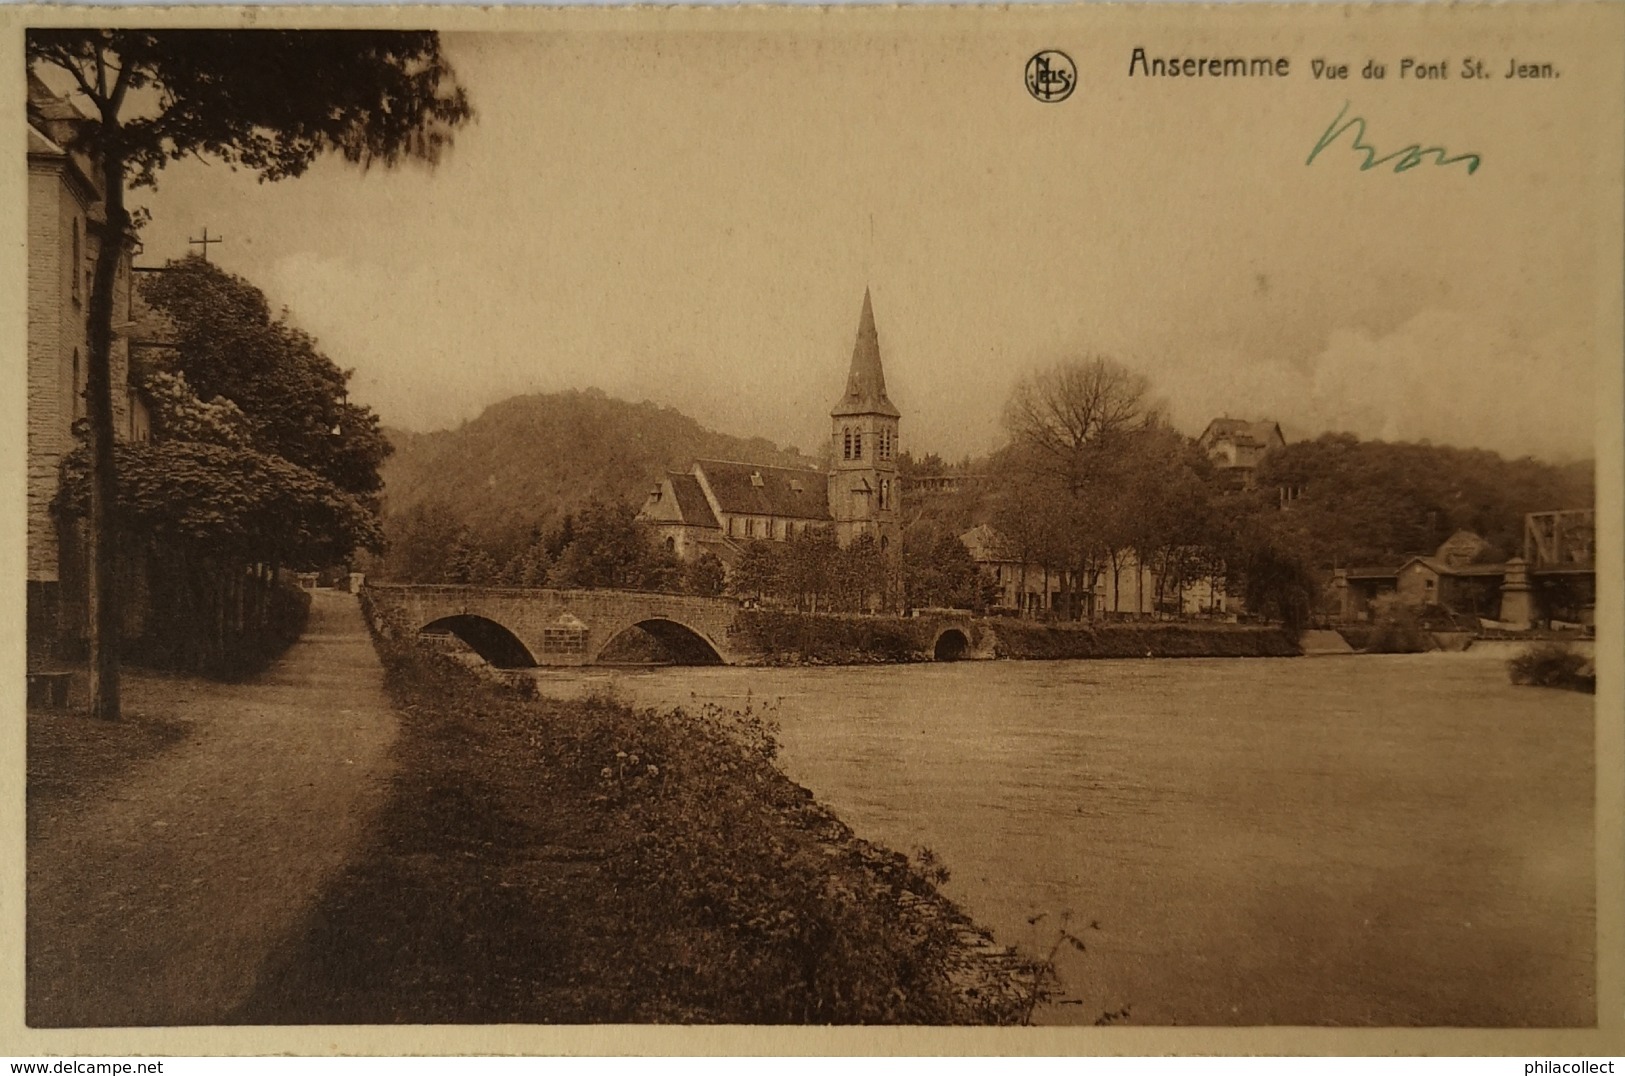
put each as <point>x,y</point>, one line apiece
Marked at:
<point>156,902</point>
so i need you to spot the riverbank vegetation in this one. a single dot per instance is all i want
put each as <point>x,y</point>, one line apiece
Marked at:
<point>787,638</point>
<point>546,861</point>
<point>1023,639</point>
<point>1554,665</point>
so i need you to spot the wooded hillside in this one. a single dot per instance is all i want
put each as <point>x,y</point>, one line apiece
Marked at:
<point>529,460</point>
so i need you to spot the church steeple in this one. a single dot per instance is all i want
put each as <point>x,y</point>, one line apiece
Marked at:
<point>865,381</point>
<point>863,481</point>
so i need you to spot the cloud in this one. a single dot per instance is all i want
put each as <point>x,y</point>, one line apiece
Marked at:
<point>1441,376</point>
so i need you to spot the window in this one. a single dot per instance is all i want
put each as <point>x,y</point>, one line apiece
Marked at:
<point>846,446</point>
<point>671,545</point>
<point>730,526</point>
<point>73,276</point>
<point>750,528</point>
<point>857,444</point>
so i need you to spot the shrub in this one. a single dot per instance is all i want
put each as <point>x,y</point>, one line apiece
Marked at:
<point>833,639</point>
<point>1553,665</point>
<point>1396,629</point>
<point>1025,639</point>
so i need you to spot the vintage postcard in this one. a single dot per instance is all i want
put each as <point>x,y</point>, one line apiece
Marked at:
<point>946,529</point>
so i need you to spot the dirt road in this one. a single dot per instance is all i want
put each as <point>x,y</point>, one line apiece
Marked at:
<point>155,902</point>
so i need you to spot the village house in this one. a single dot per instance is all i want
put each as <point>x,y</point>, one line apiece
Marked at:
<point>64,236</point>
<point>1237,447</point>
<point>716,505</point>
<point>1555,579</point>
<point>1032,590</point>
<point>1452,578</point>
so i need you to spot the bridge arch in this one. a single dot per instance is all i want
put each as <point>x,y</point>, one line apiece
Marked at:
<point>686,645</point>
<point>487,638</point>
<point>950,644</point>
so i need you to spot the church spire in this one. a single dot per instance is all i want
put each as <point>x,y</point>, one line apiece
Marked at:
<point>865,381</point>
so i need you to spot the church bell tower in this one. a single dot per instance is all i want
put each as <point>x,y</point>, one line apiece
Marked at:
<point>863,488</point>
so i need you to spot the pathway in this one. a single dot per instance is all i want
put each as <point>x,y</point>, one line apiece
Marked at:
<point>155,904</point>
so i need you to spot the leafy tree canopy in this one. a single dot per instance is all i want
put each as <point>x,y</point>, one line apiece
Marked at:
<point>268,100</point>
<point>228,347</point>
<point>1376,502</point>
<point>231,503</point>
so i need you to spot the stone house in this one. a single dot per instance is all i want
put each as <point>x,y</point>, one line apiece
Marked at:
<point>1450,578</point>
<point>64,236</point>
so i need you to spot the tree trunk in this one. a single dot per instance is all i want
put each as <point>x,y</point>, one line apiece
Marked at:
<point>1162,579</point>
<point>102,613</point>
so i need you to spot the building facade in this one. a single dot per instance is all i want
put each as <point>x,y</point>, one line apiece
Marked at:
<point>718,505</point>
<point>1032,590</point>
<point>64,237</point>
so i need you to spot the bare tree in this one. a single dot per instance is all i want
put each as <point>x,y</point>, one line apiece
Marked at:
<point>1068,413</point>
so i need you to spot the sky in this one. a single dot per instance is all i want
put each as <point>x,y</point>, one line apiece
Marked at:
<point>691,217</point>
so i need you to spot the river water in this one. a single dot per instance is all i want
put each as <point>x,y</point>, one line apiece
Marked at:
<point>1357,840</point>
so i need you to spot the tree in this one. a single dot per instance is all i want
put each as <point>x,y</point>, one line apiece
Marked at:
<point>859,574</point>
<point>268,100</point>
<point>609,548</point>
<point>293,398</point>
<point>761,571</point>
<point>704,575</point>
<point>419,541</point>
<point>939,571</point>
<point>1269,567</point>
<point>809,568</point>
<point>1071,413</point>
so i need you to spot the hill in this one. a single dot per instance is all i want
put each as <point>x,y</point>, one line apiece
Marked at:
<point>529,460</point>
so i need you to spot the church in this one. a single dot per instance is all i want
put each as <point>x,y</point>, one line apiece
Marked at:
<point>717,506</point>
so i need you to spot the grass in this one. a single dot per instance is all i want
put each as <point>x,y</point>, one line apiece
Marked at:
<point>547,861</point>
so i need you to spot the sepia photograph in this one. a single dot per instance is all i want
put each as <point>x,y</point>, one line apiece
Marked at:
<point>1070,519</point>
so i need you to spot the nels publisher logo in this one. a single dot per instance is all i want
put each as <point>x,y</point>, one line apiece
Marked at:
<point>1051,76</point>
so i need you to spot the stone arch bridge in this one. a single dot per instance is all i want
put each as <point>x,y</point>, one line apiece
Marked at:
<point>514,627</point>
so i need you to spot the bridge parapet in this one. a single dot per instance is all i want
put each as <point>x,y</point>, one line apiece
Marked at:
<point>564,627</point>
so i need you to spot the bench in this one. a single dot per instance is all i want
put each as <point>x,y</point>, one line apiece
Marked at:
<point>49,689</point>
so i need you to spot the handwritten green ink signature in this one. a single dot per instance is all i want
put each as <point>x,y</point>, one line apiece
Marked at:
<point>1405,159</point>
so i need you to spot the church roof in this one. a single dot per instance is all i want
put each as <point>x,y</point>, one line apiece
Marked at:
<point>750,489</point>
<point>678,499</point>
<point>865,381</point>
<point>691,502</point>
